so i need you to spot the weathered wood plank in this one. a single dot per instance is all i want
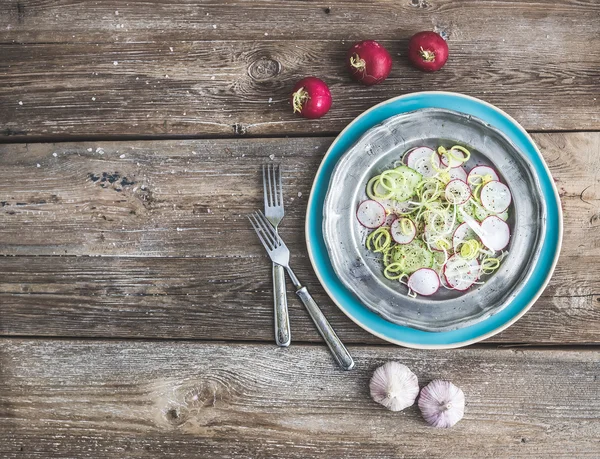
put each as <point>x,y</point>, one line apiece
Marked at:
<point>188,198</point>
<point>226,281</point>
<point>107,399</point>
<point>180,71</point>
<point>229,299</point>
<point>39,21</point>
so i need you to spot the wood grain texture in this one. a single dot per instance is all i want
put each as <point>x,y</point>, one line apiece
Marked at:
<point>131,399</point>
<point>216,283</point>
<point>76,68</point>
<point>189,198</point>
<point>229,299</point>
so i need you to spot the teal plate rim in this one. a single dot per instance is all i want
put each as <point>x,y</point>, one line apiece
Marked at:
<point>398,334</point>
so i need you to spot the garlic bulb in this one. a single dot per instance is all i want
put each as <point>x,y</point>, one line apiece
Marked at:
<point>394,386</point>
<point>442,404</point>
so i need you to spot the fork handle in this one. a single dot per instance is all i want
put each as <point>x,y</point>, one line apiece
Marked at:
<point>283,335</point>
<point>339,351</point>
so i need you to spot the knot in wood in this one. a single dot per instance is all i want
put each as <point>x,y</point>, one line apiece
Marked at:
<point>239,129</point>
<point>264,68</point>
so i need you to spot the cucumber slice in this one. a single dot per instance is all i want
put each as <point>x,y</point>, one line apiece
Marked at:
<point>411,257</point>
<point>412,177</point>
<point>469,209</point>
<point>481,214</point>
<point>399,183</point>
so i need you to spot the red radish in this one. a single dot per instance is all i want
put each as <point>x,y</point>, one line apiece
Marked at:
<point>427,51</point>
<point>403,230</point>
<point>495,197</point>
<point>478,172</point>
<point>495,233</point>
<point>368,62</point>
<point>424,281</point>
<point>458,173</point>
<point>423,160</point>
<point>390,218</point>
<point>462,234</point>
<point>457,192</point>
<point>406,153</point>
<point>456,159</point>
<point>371,214</point>
<point>311,98</point>
<point>461,273</point>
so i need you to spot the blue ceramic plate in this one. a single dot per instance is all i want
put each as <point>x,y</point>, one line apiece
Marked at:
<point>411,337</point>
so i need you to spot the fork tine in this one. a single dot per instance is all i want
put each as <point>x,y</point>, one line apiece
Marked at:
<point>258,230</point>
<point>264,231</point>
<point>280,186</point>
<point>274,173</point>
<point>265,227</point>
<point>265,187</point>
<point>270,185</point>
<point>269,229</point>
<point>255,227</point>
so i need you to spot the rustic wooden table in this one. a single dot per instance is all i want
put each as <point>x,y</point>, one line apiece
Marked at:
<point>135,302</point>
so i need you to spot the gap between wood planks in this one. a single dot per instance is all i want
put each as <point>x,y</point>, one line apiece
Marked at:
<point>19,139</point>
<point>477,346</point>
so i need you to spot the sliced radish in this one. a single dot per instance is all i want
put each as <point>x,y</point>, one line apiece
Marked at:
<point>424,281</point>
<point>457,192</point>
<point>423,160</point>
<point>403,230</point>
<point>462,234</point>
<point>461,273</point>
<point>457,158</point>
<point>371,214</point>
<point>406,153</point>
<point>495,233</point>
<point>417,153</point>
<point>495,197</point>
<point>458,173</point>
<point>478,172</point>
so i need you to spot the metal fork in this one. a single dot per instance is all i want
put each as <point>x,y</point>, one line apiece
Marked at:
<point>280,254</point>
<point>273,194</point>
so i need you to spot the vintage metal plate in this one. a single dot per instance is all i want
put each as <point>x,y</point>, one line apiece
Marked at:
<point>360,270</point>
<point>472,323</point>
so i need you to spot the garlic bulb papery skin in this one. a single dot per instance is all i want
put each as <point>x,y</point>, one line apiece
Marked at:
<point>442,404</point>
<point>394,386</point>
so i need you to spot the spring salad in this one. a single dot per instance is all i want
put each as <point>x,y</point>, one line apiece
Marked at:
<point>435,223</point>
